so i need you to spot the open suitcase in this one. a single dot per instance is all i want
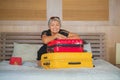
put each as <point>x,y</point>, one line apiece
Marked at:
<point>65,45</point>
<point>67,60</point>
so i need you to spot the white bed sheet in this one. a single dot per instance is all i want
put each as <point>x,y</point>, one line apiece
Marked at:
<point>29,71</point>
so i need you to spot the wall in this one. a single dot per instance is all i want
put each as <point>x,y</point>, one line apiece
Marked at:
<point>23,10</point>
<point>111,27</point>
<point>84,10</point>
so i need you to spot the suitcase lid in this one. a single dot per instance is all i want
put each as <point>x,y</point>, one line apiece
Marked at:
<point>66,55</point>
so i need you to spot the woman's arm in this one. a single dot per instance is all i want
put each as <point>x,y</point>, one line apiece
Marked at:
<point>47,39</point>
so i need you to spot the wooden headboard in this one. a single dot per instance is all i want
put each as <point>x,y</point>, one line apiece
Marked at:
<point>97,41</point>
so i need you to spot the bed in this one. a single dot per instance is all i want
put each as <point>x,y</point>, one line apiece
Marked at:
<point>14,43</point>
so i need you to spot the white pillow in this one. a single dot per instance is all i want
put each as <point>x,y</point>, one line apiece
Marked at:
<point>87,47</point>
<point>28,52</point>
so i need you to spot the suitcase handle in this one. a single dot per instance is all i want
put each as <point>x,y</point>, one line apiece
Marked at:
<point>72,63</point>
<point>46,63</point>
<point>45,57</point>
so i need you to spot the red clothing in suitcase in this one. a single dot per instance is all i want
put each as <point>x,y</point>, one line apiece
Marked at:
<point>65,45</point>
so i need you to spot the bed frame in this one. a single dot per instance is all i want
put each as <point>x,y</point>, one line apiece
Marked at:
<point>97,41</point>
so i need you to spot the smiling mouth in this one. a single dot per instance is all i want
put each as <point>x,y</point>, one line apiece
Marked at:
<point>55,29</point>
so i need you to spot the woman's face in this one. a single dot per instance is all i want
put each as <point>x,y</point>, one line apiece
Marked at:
<point>54,26</point>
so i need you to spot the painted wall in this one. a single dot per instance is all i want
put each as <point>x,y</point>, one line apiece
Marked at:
<point>111,27</point>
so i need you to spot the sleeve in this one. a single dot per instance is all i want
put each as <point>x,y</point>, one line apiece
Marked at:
<point>64,32</point>
<point>44,33</point>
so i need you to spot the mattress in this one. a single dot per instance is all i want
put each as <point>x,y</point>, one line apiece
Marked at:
<point>103,70</point>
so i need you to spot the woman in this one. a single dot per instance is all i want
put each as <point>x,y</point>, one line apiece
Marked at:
<point>54,32</point>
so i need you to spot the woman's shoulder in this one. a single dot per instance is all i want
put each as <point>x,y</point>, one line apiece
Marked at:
<point>47,32</point>
<point>63,30</point>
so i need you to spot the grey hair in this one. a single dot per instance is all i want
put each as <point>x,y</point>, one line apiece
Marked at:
<point>54,19</point>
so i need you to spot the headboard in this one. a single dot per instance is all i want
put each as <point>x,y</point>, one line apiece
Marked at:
<point>97,41</point>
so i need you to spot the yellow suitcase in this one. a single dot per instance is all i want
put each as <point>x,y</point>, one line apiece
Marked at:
<point>67,60</point>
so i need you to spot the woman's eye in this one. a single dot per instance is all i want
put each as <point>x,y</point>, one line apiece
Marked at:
<point>57,25</point>
<point>52,25</point>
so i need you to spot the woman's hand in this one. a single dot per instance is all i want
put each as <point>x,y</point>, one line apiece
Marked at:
<point>39,63</point>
